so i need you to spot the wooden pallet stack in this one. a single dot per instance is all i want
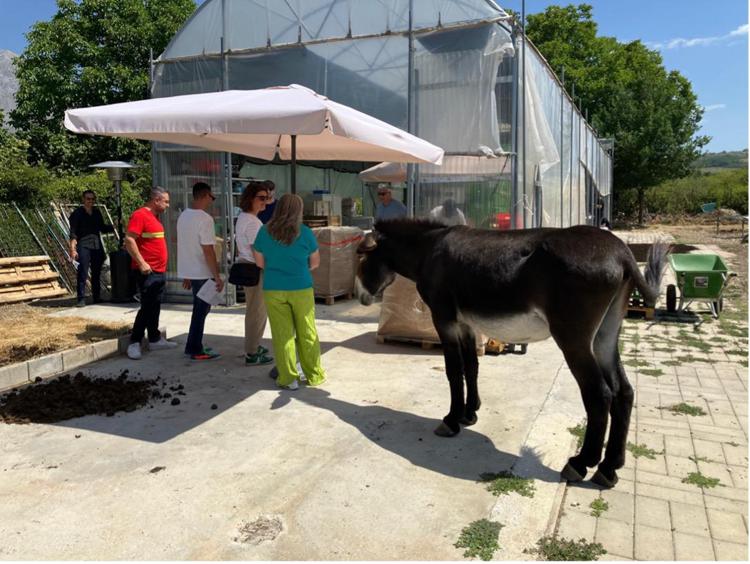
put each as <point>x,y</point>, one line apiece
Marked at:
<point>28,278</point>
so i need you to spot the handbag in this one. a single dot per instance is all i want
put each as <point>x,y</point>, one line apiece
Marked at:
<point>244,274</point>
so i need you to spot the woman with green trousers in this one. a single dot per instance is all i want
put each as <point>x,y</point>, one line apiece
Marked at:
<point>287,251</point>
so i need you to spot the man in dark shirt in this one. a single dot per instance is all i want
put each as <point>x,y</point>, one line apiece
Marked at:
<point>265,215</point>
<point>86,227</point>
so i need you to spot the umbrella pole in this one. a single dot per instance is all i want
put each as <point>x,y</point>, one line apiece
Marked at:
<point>294,164</point>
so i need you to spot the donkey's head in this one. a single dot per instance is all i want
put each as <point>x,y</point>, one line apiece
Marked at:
<point>374,274</point>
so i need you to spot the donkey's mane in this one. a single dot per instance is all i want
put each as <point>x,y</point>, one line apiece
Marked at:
<point>406,228</point>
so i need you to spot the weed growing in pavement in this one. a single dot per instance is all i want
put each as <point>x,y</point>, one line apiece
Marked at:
<point>655,372</point>
<point>505,482</point>
<point>697,459</point>
<point>598,506</point>
<point>738,352</point>
<point>685,409</point>
<point>579,431</point>
<point>671,363</point>
<point>694,342</point>
<point>555,549</point>
<point>642,450</point>
<point>636,362</point>
<point>480,539</point>
<point>698,479</point>
<point>732,443</point>
<point>691,358</point>
<point>662,349</point>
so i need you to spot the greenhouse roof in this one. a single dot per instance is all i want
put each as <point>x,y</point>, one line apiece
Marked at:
<point>259,24</point>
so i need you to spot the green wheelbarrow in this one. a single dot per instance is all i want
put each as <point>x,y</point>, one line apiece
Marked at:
<point>700,277</point>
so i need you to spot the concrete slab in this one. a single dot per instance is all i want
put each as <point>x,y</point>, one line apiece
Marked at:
<point>350,471</point>
<point>14,375</point>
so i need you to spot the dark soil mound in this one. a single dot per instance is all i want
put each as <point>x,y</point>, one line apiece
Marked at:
<point>640,250</point>
<point>68,397</point>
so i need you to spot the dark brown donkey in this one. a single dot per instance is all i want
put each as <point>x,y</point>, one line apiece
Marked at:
<point>523,286</point>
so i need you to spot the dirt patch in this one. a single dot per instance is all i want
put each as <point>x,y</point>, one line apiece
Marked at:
<point>264,528</point>
<point>29,333</point>
<point>68,397</point>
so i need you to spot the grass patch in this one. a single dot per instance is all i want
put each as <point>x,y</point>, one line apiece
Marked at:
<point>480,539</point>
<point>662,349</point>
<point>579,431</point>
<point>691,358</point>
<point>555,549</point>
<point>685,409</point>
<point>598,506</point>
<point>642,450</point>
<point>506,482</point>
<point>698,479</point>
<point>697,459</point>
<point>671,363</point>
<point>738,352</point>
<point>655,372</point>
<point>636,362</point>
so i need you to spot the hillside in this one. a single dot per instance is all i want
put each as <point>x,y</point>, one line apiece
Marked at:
<point>8,82</point>
<point>723,160</point>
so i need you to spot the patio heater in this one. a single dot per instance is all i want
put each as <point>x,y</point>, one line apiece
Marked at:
<point>123,283</point>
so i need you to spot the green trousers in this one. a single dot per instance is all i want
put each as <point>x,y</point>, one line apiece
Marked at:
<point>291,315</point>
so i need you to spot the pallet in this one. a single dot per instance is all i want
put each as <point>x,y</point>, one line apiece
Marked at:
<point>331,299</point>
<point>647,312</point>
<point>28,278</point>
<point>425,344</point>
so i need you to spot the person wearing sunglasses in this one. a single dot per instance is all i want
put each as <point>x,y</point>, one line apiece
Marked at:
<point>252,203</point>
<point>197,264</point>
<point>86,227</point>
<point>388,208</point>
<point>266,213</point>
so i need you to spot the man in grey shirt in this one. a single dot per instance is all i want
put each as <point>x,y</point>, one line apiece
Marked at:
<point>388,208</point>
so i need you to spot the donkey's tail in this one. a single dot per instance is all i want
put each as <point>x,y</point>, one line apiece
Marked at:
<point>649,283</point>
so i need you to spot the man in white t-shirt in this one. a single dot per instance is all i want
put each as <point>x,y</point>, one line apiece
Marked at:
<point>197,264</point>
<point>448,213</point>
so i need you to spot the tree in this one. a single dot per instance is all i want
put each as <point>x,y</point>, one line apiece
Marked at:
<point>652,114</point>
<point>91,52</point>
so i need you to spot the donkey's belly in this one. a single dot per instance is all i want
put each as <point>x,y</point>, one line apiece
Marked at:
<point>516,328</point>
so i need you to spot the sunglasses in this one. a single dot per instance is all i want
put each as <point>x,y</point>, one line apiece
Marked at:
<point>382,193</point>
<point>262,198</point>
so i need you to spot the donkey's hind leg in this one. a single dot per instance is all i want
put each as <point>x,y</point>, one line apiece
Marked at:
<point>605,349</point>
<point>596,396</point>
<point>471,370</point>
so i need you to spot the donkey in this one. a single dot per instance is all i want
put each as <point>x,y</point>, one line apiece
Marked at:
<point>523,286</point>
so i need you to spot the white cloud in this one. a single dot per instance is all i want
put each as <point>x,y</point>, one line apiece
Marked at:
<point>712,107</point>
<point>679,42</point>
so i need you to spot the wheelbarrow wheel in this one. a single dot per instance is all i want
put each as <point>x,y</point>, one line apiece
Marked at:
<point>719,306</point>
<point>671,298</point>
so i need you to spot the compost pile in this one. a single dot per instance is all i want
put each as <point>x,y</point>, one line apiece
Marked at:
<point>68,397</point>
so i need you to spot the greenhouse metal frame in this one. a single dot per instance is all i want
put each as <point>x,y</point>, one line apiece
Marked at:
<point>458,73</point>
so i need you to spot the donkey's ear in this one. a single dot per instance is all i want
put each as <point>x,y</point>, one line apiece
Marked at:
<point>368,244</point>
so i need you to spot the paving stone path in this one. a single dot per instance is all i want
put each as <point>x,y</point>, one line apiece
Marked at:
<point>657,511</point>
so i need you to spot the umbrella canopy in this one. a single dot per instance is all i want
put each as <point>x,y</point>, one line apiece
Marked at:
<point>258,123</point>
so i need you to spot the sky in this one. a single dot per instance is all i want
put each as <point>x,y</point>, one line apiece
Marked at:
<point>707,42</point>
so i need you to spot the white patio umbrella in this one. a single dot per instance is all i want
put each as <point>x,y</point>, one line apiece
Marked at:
<point>289,121</point>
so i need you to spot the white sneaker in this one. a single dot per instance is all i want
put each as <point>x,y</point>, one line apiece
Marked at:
<point>161,344</point>
<point>301,373</point>
<point>293,386</point>
<point>134,351</point>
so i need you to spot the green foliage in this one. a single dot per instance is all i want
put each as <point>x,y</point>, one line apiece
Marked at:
<point>505,482</point>
<point>725,159</point>
<point>652,113</point>
<point>556,549</point>
<point>686,409</point>
<point>598,506</point>
<point>579,432</point>
<point>698,479</point>
<point>91,52</point>
<point>642,450</point>
<point>480,539</point>
<point>655,372</point>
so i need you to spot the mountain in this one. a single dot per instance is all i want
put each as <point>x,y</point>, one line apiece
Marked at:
<point>8,82</point>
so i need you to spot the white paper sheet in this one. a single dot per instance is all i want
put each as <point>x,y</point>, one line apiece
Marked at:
<point>209,294</point>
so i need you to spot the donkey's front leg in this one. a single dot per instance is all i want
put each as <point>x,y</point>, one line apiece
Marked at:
<point>471,370</point>
<point>449,333</point>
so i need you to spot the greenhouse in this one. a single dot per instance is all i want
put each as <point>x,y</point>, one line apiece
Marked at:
<point>459,74</point>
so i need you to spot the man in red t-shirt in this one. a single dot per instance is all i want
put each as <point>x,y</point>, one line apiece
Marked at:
<point>145,242</point>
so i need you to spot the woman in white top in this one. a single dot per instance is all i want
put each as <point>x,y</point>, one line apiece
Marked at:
<point>252,202</point>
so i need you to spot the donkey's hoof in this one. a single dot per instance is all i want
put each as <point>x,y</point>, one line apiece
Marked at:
<point>570,474</point>
<point>601,480</point>
<point>468,421</point>
<point>443,430</point>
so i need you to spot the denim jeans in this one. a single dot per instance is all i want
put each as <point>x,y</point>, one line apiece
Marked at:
<point>94,258</point>
<point>151,287</point>
<point>194,344</point>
